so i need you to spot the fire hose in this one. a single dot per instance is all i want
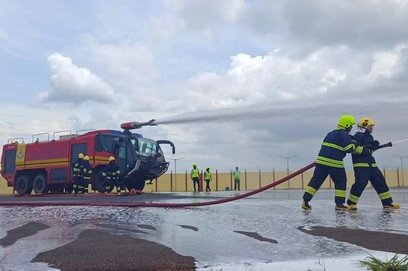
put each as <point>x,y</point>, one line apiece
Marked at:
<point>163,204</point>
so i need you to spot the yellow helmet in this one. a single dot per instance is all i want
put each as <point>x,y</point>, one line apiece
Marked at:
<point>346,121</point>
<point>364,122</point>
<point>81,155</point>
<point>111,158</point>
<point>86,158</point>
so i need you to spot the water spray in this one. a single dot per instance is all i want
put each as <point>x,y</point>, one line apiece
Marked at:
<point>400,141</point>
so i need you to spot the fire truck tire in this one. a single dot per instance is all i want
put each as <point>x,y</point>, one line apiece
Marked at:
<point>69,188</point>
<point>139,185</point>
<point>40,185</point>
<point>23,185</point>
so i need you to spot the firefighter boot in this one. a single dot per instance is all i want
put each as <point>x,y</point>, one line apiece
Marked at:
<point>306,206</point>
<point>392,206</point>
<point>341,207</point>
<point>352,206</point>
<point>118,190</point>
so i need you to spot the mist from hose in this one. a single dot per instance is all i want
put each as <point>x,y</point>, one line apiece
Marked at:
<point>251,113</point>
<point>399,141</point>
<point>311,110</point>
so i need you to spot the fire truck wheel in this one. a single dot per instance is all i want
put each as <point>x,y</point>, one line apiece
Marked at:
<point>139,185</point>
<point>23,185</point>
<point>40,184</point>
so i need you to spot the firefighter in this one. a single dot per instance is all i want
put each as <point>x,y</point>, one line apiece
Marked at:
<point>329,161</point>
<point>207,178</point>
<point>237,179</point>
<point>366,169</point>
<point>77,172</point>
<point>111,174</point>
<point>195,177</point>
<point>86,174</point>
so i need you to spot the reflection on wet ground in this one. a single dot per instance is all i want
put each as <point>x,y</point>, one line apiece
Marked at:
<point>26,230</point>
<point>374,240</point>
<point>112,253</point>
<point>209,233</point>
<point>256,236</point>
<point>189,227</point>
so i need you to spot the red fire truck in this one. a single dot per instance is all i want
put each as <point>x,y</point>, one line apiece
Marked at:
<point>46,166</point>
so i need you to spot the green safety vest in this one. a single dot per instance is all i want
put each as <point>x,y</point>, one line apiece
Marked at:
<point>207,176</point>
<point>237,175</point>
<point>195,173</point>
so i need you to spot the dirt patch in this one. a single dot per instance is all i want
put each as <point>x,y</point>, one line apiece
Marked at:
<point>98,250</point>
<point>256,236</point>
<point>26,230</point>
<point>374,240</point>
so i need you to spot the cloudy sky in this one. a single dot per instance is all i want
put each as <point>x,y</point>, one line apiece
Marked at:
<point>263,79</point>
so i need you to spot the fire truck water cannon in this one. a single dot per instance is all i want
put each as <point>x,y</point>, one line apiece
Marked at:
<point>137,125</point>
<point>48,165</point>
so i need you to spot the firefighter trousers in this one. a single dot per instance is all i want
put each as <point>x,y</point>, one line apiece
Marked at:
<point>375,176</point>
<point>320,174</point>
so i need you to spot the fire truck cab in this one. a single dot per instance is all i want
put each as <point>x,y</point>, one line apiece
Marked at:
<point>46,166</point>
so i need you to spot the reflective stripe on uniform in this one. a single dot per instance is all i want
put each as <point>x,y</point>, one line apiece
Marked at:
<point>334,146</point>
<point>364,165</point>
<point>385,195</point>
<point>350,146</point>
<point>358,150</point>
<point>340,193</point>
<point>310,190</point>
<point>329,162</point>
<point>353,198</point>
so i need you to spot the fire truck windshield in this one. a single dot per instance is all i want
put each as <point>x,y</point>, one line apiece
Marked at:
<point>146,147</point>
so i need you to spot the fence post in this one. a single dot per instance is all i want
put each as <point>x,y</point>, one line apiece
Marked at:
<point>156,184</point>
<point>185,180</point>
<point>303,184</point>
<point>274,178</point>
<point>171,181</point>
<point>216,180</point>
<point>231,180</point>
<point>246,183</point>
<point>259,178</point>
<point>398,179</point>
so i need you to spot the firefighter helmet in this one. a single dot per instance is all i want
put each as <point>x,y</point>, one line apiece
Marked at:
<point>86,158</point>
<point>111,158</point>
<point>347,121</point>
<point>80,155</point>
<point>364,122</point>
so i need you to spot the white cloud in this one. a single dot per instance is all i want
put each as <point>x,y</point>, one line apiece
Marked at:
<point>269,79</point>
<point>72,84</point>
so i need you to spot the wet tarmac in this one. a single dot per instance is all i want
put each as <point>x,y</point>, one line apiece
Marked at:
<point>256,233</point>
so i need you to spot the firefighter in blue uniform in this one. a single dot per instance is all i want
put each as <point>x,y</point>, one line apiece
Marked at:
<point>329,161</point>
<point>86,169</point>
<point>77,172</point>
<point>111,174</point>
<point>366,169</point>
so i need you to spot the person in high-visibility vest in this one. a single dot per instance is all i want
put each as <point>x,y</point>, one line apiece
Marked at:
<point>195,177</point>
<point>207,178</point>
<point>237,179</point>
<point>366,169</point>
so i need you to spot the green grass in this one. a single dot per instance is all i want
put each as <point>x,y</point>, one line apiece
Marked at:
<point>394,264</point>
